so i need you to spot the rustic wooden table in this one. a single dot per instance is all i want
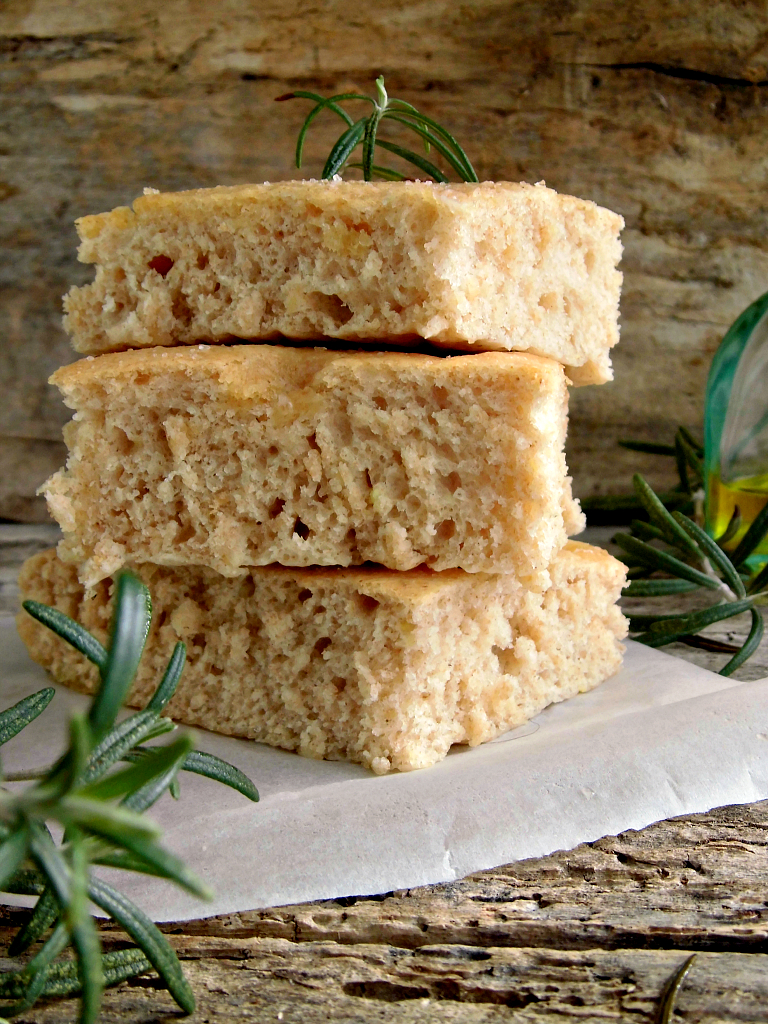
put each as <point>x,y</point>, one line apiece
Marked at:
<point>591,934</point>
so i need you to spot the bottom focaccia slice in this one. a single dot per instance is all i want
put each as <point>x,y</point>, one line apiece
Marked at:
<point>388,669</point>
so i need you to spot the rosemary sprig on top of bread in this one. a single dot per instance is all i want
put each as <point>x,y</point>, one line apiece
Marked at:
<point>365,132</point>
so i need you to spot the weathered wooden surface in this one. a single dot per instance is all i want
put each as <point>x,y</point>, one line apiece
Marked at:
<point>591,934</point>
<point>658,110</point>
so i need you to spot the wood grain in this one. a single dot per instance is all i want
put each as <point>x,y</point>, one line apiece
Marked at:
<point>656,110</point>
<point>590,934</point>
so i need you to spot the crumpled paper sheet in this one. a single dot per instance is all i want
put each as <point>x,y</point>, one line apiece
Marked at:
<point>663,737</point>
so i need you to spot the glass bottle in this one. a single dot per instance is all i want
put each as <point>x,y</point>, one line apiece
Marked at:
<point>736,427</point>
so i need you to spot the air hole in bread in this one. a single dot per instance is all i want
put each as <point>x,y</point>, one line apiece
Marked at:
<point>301,529</point>
<point>160,264</point>
<point>321,645</point>
<point>509,663</point>
<point>332,306</point>
<point>446,529</point>
<point>276,508</point>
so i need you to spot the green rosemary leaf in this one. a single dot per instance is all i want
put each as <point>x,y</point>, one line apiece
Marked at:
<point>117,965</point>
<point>37,970</point>
<point>759,582</point>
<point>142,798</point>
<point>733,527</point>
<point>129,830</point>
<point>646,531</point>
<point>132,778</point>
<point>302,94</point>
<point>682,465</point>
<point>751,538</point>
<point>666,1009</point>
<point>69,886</point>
<point>161,727</point>
<point>27,882</point>
<point>369,141</point>
<point>343,147</point>
<point>648,446</point>
<point>214,768</point>
<point>661,560</point>
<point>80,745</point>
<point>698,620</point>
<point>714,553</point>
<point>130,626</point>
<point>435,132</point>
<point>49,860</point>
<point>13,853</point>
<point>122,738</point>
<point>148,937</point>
<point>74,634</point>
<point>124,861</point>
<point>18,717</point>
<point>85,936</point>
<point>666,631</point>
<point>663,519</point>
<point>174,788</point>
<point>691,451</point>
<point>415,125</point>
<point>45,912</point>
<point>418,161</point>
<point>639,623</point>
<point>170,679</point>
<point>382,172</point>
<point>115,824</point>
<point>657,588</point>
<point>322,105</point>
<point>750,644</point>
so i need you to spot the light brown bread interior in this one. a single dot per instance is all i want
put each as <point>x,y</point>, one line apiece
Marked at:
<point>387,669</point>
<point>238,456</point>
<point>490,266</point>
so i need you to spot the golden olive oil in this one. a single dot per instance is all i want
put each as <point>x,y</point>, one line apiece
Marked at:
<point>748,494</point>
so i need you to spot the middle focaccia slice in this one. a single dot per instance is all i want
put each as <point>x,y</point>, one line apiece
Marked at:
<point>231,457</point>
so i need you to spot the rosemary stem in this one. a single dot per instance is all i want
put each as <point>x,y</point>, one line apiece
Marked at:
<point>706,567</point>
<point>26,776</point>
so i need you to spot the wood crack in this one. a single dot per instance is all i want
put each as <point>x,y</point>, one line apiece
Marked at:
<point>670,71</point>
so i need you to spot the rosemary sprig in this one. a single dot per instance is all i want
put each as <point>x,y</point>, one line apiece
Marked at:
<point>100,807</point>
<point>693,560</point>
<point>365,131</point>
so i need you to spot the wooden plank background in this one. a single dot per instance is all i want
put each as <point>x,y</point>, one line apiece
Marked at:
<point>657,110</point>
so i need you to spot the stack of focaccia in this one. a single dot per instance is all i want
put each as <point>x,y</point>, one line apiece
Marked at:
<point>361,533</point>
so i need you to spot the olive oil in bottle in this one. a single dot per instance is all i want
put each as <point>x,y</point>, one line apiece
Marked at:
<point>736,427</point>
<point>749,495</point>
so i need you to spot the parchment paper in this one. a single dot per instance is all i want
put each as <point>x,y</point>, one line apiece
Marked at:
<point>661,738</point>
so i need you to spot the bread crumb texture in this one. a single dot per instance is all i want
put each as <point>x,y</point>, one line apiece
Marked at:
<point>385,669</point>
<point>235,456</point>
<point>492,266</point>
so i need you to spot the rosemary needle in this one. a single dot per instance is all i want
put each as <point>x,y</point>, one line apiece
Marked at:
<point>100,806</point>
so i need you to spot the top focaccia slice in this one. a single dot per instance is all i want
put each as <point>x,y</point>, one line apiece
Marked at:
<point>493,266</point>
